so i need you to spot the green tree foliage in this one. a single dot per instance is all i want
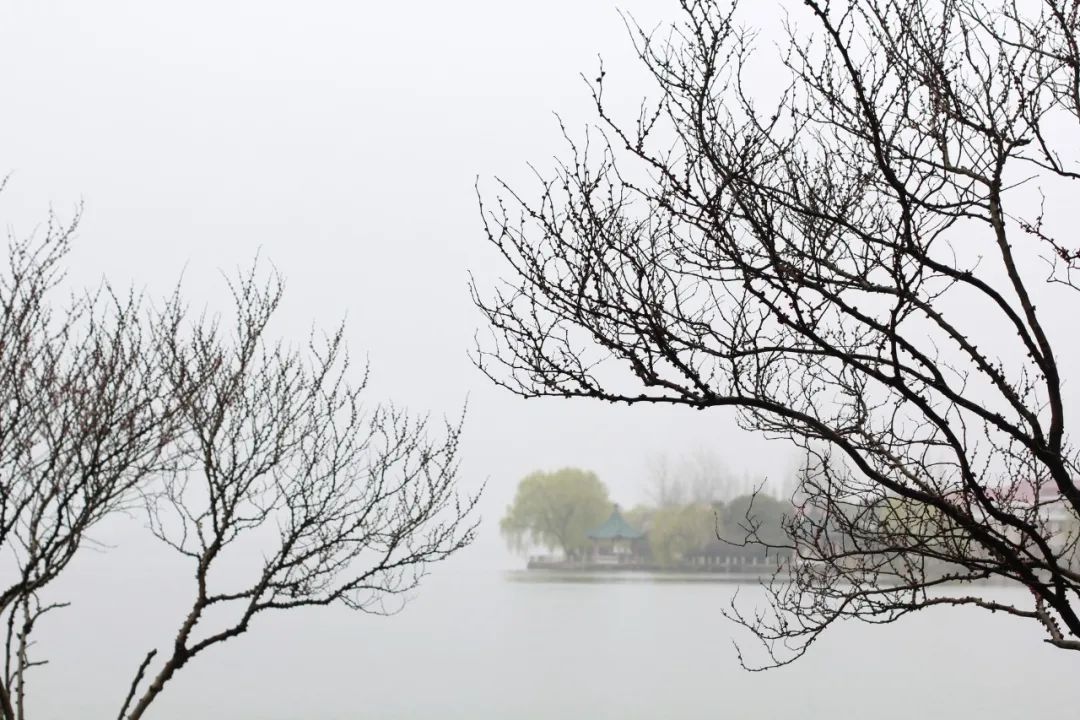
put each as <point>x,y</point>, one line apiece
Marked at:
<point>899,523</point>
<point>755,518</point>
<point>639,516</point>
<point>556,510</point>
<point>677,530</point>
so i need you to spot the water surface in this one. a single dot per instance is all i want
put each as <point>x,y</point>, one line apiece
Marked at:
<point>491,646</point>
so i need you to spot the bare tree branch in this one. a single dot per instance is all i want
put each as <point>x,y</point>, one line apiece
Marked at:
<point>347,504</point>
<point>847,263</point>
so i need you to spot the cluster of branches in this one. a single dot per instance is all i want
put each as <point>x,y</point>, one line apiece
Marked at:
<point>849,264</point>
<point>244,452</point>
<point>698,478</point>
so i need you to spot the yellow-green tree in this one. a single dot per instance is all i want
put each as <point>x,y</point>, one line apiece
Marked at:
<point>555,510</point>
<point>677,530</point>
<point>640,516</point>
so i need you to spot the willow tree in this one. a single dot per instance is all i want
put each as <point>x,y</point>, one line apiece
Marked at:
<point>676,530</point>
<point>857,263</point>
<point>555,510</point>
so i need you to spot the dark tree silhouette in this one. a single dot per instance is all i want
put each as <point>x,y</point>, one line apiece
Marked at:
<point>84,422</point>
<point>852,264</point>
<point>344,504</point>
<point>245,452</point>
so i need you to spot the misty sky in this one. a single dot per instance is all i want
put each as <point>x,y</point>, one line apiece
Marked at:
<point>341,140</point>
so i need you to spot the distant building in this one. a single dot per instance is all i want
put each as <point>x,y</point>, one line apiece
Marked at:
<point>1044,506</point>
<point>616,542</point>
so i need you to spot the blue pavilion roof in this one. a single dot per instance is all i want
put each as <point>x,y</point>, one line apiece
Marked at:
<point>615,528</point>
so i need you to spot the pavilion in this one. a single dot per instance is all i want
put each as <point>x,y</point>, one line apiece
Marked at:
<point>616,542</point>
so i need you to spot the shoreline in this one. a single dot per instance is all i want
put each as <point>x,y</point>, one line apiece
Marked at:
<point>613,575</point>
<point>552,573</point>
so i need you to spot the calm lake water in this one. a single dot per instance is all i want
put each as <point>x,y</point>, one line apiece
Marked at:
<point>498,646</point>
